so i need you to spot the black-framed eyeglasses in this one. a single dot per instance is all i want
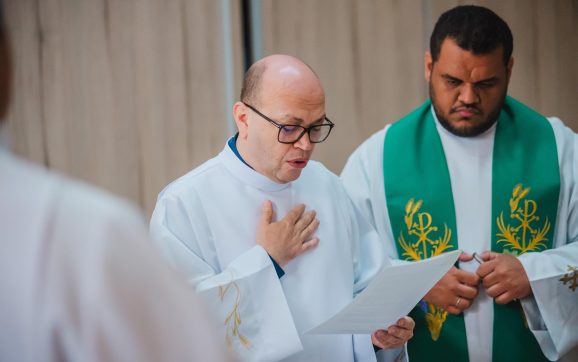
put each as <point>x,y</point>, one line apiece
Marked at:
<point>291,133</point>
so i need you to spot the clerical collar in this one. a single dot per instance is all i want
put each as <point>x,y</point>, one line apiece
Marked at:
<point>244,173</point>
<point>233,144</point>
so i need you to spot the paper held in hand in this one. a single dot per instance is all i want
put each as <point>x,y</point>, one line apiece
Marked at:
<point>392,293</point>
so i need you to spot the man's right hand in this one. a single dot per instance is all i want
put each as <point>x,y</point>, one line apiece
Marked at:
<point>455,291</point>
<point>289,237</point>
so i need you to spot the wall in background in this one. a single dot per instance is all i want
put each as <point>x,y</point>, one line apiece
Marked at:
<point>125,94</point>
<point>131,94</point>
<point>370,57</point>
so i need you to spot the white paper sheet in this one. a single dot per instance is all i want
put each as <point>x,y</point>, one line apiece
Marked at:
<point>391,294</point>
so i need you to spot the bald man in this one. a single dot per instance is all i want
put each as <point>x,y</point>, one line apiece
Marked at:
<point>271,278</point>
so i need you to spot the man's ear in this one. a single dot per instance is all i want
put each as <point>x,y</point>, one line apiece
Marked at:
<point>241,115</point>
<point>428,66</point>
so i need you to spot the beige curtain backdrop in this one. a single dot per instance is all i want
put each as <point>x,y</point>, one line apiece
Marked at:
<point>130,94</point>
<point>124,94</point>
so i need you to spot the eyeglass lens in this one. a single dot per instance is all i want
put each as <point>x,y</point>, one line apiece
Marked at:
<point>291,134</point>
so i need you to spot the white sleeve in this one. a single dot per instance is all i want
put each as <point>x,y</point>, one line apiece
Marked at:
<point>246,297</point>
<point>359,175</point>
<point>369,258</point>
<point>108,296</point>
<point>369,253</point>
<point>552,310</point>
<point>362,178</point>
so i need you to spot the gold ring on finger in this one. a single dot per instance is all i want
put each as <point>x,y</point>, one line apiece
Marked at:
<point>458,302</point>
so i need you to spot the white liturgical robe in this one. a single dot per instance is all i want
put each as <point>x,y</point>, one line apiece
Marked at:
<point>79,280</point>
<point>206,221</point>
<point>552,310</point>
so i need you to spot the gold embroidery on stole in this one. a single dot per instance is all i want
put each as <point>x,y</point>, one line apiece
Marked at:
<point>422,246</point>
<point>528,235</point>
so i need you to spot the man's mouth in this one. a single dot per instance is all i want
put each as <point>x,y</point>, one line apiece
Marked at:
<point>466,112</point>
<point>298,162</point>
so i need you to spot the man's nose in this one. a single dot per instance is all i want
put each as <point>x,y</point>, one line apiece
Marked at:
<point>468,94</point>
<point>304,142</point>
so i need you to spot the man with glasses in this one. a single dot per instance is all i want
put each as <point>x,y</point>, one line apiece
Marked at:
<point>272,278</point>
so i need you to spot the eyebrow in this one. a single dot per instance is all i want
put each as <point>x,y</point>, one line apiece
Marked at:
<point>449,77</point>
<point>491,79</point>
<point>299,121</point>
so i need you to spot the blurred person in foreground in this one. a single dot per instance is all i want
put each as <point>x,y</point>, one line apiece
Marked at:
<point>79,280</point>
<point>267,236</point>
<point>476,170</point>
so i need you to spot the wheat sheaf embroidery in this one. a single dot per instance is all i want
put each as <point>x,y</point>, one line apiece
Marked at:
<point>233,318</point>
<point>423,241</point>
<point>524,233</point>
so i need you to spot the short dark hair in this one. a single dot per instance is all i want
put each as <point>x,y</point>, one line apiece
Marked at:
<point>251,83</point>
<point>474,28</point>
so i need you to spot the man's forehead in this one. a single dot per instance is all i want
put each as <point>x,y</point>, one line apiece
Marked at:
<point>451,49</point>
<point>290,80</point>
<point>293,100</point>
<point>460,63</point>
<point>291,93</point>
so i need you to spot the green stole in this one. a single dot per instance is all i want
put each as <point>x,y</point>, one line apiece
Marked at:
<point>525,190</point>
